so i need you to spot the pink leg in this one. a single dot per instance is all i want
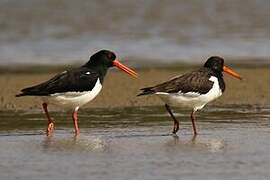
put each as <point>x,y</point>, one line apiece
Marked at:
<point>75,121</point>
<point>50,127</point>
<point>193,119</point>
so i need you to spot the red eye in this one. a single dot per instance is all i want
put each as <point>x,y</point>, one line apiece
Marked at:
<point>109,55</point>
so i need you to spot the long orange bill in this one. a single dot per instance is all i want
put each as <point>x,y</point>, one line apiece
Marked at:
<point>125,68</point>
<point>231,72</point>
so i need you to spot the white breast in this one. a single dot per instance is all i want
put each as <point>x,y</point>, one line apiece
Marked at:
<point>74,99</point>
<point>192,99</point>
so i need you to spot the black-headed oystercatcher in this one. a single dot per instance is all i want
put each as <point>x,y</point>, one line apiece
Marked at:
<point>193,90</point>
<point>76,87</point>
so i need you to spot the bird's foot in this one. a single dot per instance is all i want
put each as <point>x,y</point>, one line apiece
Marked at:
<point>175,128</point>
<point>50,129</point>
<point>77,132</point>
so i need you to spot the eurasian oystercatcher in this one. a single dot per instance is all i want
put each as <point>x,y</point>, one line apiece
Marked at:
<point>76,87</point>
<point>193,90</point>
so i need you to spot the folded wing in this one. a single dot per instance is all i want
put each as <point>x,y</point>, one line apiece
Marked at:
<point>193,82</point>
<point>76,80</point>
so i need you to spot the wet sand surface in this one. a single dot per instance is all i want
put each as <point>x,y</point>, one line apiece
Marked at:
<point>135,143</point>
<point>120,90</point>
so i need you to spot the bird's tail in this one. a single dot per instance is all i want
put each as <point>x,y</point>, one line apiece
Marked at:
<point>22,93</point>
<point>19,95</point>
<point>30,91</point>
<point>146,91</point>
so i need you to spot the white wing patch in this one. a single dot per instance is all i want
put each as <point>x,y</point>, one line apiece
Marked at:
<point>87,73</point>
<point>189,94</point>
<point>175,77</point>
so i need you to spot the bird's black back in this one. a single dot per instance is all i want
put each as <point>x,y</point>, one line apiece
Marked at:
<point>75,80</point>
<point>195,81</point>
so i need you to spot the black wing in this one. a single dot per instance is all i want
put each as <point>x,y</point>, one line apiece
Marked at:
<point>77,80</point>
<point>196,81</point>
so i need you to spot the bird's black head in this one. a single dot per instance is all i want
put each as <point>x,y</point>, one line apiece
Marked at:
<point>215,63</point>
<point>103,58</point>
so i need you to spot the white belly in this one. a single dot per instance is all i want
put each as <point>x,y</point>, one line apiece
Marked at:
<point>73,99</point>
<point>192,100</point>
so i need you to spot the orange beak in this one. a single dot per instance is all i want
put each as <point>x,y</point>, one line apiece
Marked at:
<point>231,72</point>
<point>125,68</point>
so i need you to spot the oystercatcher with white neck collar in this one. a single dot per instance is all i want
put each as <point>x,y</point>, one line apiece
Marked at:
<point>193,90</point>
<point>76,87</point>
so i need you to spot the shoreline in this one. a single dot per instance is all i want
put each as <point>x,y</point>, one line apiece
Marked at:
<point>119,90</point>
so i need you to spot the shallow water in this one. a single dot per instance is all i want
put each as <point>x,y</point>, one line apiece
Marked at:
<point>53,32</point>
<point>135,143</point>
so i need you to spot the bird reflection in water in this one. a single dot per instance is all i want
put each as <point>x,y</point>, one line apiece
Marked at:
<point>195,143</point>
<point>74,143</point>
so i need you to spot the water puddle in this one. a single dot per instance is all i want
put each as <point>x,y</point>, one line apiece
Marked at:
<point>136,143</point>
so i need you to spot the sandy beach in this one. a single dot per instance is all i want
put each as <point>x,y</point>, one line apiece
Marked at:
<point>120,90</point>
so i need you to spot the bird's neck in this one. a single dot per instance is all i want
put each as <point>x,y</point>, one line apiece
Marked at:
<point>100,69</point>
<point>218,74</point>
<point>221,82</point>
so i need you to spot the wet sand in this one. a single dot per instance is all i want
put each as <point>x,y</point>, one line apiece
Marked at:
<point>120,90</point>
